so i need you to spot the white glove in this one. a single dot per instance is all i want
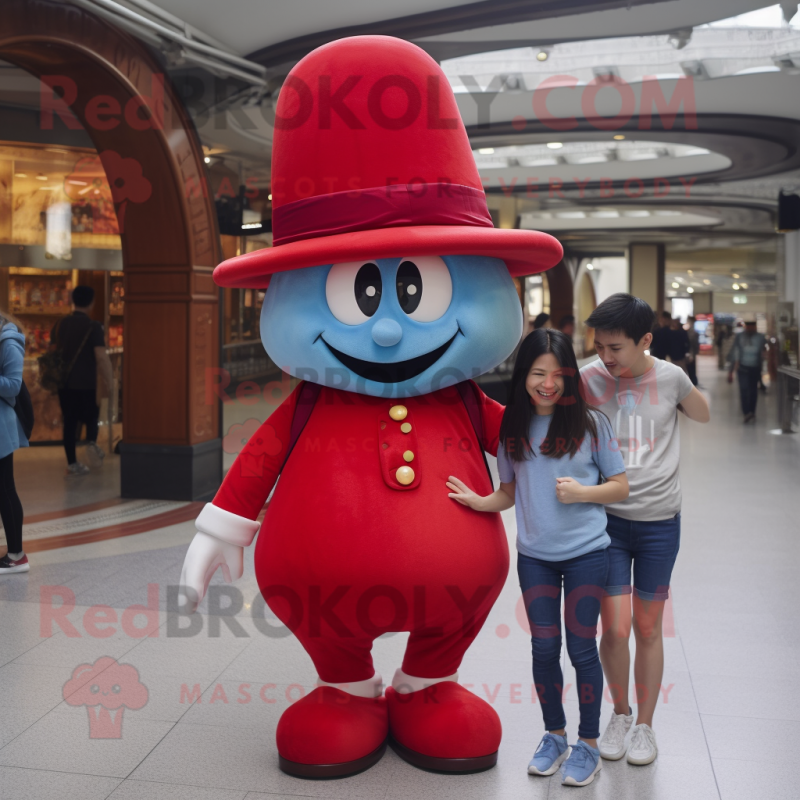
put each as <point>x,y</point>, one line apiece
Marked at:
<point>205,554</point>
<point>219,542</point>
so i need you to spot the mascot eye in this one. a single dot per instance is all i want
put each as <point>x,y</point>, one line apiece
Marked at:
<point>424,287</point>
<point>353,291</point>
<point>116,688</point>
<point>95,688</point>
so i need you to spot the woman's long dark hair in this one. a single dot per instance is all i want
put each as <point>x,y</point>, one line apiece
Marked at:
<point>570,421</point>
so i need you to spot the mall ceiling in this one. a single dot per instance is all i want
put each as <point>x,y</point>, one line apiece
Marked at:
<point>702,182</point>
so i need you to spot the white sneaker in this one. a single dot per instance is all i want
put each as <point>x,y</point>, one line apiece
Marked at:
<point>77,469</point>
<point>612,743</point>
<point>643,749</point>
<point>95,453</point>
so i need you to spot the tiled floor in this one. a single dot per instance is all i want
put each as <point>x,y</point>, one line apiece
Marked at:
<point>215,694</point>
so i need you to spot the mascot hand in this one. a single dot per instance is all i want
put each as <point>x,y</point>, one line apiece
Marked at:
<point>205,554</point>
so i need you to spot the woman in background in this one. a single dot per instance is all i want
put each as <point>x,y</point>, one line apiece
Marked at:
<point>12,437</point>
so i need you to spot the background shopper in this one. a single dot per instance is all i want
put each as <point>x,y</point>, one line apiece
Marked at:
<point>81,339</point>
<point>746,359</point>
<point>12,437</point>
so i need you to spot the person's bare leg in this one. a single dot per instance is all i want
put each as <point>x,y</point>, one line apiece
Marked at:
<point>648,667</point>
<point>615,656</point>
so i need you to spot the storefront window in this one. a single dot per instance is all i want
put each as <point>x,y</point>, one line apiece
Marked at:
<point>58,230</point>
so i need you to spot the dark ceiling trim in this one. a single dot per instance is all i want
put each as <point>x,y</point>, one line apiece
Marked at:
<point>445,20</point>
<point>757,146</point>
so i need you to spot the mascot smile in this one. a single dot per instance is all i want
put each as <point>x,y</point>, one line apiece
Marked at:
<point>388,289</point>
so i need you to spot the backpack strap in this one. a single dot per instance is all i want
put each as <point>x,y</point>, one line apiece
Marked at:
<point>309,392</point>
<point>469,396</point>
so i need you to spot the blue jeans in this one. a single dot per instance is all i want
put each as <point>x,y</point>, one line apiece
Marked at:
<point>651,547</point>
<point>584,579</point>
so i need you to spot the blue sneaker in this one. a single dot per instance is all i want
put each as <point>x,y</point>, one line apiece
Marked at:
<point>581,766</point>
<point>552,750</point>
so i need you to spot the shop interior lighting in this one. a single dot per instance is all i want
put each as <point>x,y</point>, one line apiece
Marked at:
<point>269,197</point>
<point>542,55</point>
<point>706,281</point>
<point>690,272</point>
<point>619,136</point>
<point>734,275</point>
<point>690,290</point>
<point>207,160</point>
<point>675,285</point>
<point>555,145</point>
<point>735,286</point>
<point>743,285</point>
<point>20,175</point>
<point>41,177</point>
<point>486,151</point>
<point>77,183</point>
<point>590,266</point>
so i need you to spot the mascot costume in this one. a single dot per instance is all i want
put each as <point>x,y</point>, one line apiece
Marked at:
<point>387,289</point>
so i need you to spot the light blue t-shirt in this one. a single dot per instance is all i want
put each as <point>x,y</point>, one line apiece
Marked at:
<point>546,528</point>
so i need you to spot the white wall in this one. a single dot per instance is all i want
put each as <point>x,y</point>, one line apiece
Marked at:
<point>610,275</point>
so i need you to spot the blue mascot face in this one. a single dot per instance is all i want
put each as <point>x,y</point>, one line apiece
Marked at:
<point>393,327</point>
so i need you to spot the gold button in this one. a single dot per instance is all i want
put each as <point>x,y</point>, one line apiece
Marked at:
<point>408,455</point>
<point>405,475</point>
<point>406,427</point>
<point>398,413</point>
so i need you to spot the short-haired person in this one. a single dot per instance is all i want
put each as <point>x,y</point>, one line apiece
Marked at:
<point>555,448</point>
<point>567,325</point>
<point>746,359</point>
<point>659,346</point>
<point>541,320</point>
<point>82,343</point>
<point>694,350</point>
<point>641,395</point>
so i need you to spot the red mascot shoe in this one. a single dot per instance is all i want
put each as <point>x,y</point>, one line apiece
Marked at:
<point>444,727</point>
<point>330,733</point>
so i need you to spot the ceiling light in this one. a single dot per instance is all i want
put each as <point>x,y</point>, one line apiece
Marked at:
<point>41,177</point>
<point>555,145</point>
<point>486,151</point>
<point>542,55</point>
<point>590,266</point>
<point>77,183</point>
<point>690,272</point>
<point>706,281</point>
<point>734,275</point>
<point>689,289</point>
<point>269,197</point>
<point>743,285</point>
<point>619,136</point>
<point>675,285</point>
<point>735,286</point>
<point>207,160</point>
<point>20,175</point>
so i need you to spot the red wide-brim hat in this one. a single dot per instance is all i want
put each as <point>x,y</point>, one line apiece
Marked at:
<point>371,160</point>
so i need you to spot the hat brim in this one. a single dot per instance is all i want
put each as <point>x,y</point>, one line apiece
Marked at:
<point>525,252</point>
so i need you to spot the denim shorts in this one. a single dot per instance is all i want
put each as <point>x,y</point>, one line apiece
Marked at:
<point>651,547</point>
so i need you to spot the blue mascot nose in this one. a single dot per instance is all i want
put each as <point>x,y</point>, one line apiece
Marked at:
<point>387,332</point>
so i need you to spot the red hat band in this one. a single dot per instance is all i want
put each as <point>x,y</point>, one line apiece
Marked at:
<point>380,207</point>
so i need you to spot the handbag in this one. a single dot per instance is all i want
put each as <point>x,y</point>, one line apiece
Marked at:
<point>53,370</point>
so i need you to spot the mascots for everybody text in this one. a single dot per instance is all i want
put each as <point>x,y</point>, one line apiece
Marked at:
<point>388,289</point>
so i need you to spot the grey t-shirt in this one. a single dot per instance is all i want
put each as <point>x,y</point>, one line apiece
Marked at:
<point>644,415</point>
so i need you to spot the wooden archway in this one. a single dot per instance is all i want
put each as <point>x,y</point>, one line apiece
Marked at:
<point>170,245</point>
